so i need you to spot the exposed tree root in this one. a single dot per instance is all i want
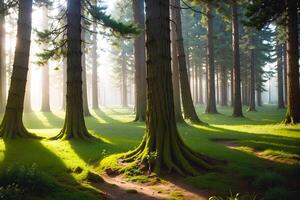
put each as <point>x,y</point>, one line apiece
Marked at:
<point>73,132</point>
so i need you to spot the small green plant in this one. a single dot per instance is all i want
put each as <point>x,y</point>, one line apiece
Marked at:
<point>151,157</point>
<point>11,191</point>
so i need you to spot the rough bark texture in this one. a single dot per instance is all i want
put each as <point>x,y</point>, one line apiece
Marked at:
<point>12,124</point>
<point>2,58</point>
<point>279,51</point>
<point>211,103</point>
<point>237,104</point>
<point>162,140</point>
<point>223,101</point>
<point>293,108</point>
<point>140,61</point>
<point>175,71</point>
<point>252,79</point>
<point>45,72</point>
<point>95,100</point>
<point>74,126</point>
<point>187,101</point>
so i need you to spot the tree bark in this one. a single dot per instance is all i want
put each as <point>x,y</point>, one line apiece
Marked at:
<point>285,73</point>
<point>223,95</point>
<point>237,105</point>
<point>45,71</point>
<point>187,101</point>
<point>162,140</point>
<point>124,81</point>
<point>252,78</point>
<point>196,84</point>
<point>140,61</point>
<point>175,70</point>
<point>293,107</point>
<point>12,124</point>
<point>74,125</point>
<point>2,58</point>
<point>280,75</point>
<point>201,101</point>
<point>64,84</point>
<point>211,101</point>
<point>95,101</point>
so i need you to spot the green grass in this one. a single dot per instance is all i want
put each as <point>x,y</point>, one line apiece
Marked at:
<point>258,131</point>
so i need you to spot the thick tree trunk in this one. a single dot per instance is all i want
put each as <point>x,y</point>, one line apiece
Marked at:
<point>64,83</point>
<point>187,101</point>
<point>200,85</point>
<point>12,124</point>
<point>124,81</point>
<point>280,75</point>
<point>223,95</point>
<point>252,79</point>
<point>2,58</point>
<point>74,126</point>
<point>45,72</point>
<point>95,101</point>
<point>259,100</point>
<point>237,105</point>
<point>285,73</point>
<point>211,101</point>
<point>175,70</point>
<point>232,88</point>
<point>162,147</point>
<point>218,86</point>
<point>140,61</point>
<point>196,85</point>
<point>293,108</point>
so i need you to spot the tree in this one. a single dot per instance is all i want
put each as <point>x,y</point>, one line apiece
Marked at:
<point>175,70</point>
<point>140,61</point>
<point>252,76</point>
<point>162,146</point>
<point>2,56</point>
<point>12,124</point>
<point>188,106</point>
<point>285,14</point>
<point>211,101</point>
<point>237,101</point>
<point>45,72</point>
<point>279,51</point>
<point>95,100</point>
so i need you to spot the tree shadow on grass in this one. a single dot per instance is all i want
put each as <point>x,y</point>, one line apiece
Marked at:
<point>102,116</point>
<point>25,152</point>
<point>42,120</point>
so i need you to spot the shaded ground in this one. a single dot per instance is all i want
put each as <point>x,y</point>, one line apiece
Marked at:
<point>259,132</point>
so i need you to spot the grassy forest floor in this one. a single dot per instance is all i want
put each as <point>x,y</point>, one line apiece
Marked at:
<point>263,156</point>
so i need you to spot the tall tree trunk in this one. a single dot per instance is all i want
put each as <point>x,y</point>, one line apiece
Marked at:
<point>252,79</point>
<point>45,71</point>
<point>74,126</point>
<point>200,85</point>
<point>211,101</point>
<point>124,81</point>
<point>232,88</point>
<point>95,101</point>
<point>86,110</point>
<point>162,139</point>
<point>140,61</point>
<point>2,58</point>
<point>196,85</point>
<point>27,103</point>
<point>237,105</point>
<point>175,70</point>
<point>218,86</point>
<point>223,95</point>
<point>64,83</point>
<point>12,124</point>
<point>285,73</point>
<point>293,108</point>
<point>280,75</point>
<point>187,101</point>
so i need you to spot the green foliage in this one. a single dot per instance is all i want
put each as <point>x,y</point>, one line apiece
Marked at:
<point>268,180</point>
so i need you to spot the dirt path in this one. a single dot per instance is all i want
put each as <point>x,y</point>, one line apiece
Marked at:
<point>119,189</point>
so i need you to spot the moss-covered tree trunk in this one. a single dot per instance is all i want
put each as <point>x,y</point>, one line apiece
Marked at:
<point>45,71</point>
<point>162,147</point>
<point>12,124</point>
<point>2,57</point>
<point>95,93</point>
<point>279,51</point>
<point>175,71</point>
<point>252,78</point>
<point>237,101</point>
<point>140,60</point>
<point>211,103</point>
<point>293,107</point>
<point>74,125</point>
<point>187,101</point>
